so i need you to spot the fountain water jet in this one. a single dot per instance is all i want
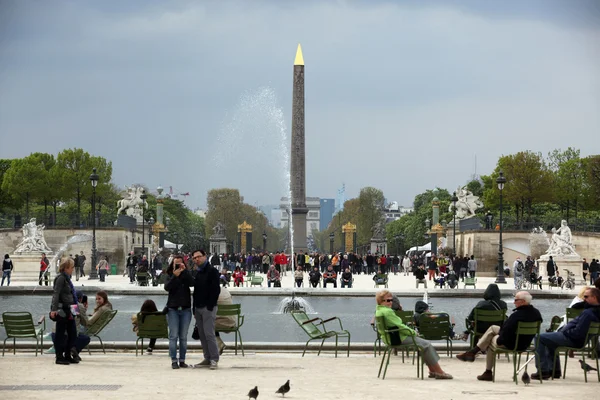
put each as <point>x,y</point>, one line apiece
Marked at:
<point>293,303</point>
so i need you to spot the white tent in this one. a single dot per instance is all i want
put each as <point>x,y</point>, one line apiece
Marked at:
<point>425,247</point>
<point>171,245</point>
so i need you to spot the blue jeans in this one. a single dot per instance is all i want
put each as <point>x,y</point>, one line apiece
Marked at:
<point>6,274</point>
<point>546,346</point>
<point>179,323</point>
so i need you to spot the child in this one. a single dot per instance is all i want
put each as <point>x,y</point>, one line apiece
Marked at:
<point>149,306</point>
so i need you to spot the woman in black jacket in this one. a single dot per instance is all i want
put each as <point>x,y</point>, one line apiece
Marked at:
<point>179,306</point>
<point>62,311</point>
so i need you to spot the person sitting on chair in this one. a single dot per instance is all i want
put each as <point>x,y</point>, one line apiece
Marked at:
<point>379,278</point>
<point>491,301</point>
<point>102,306</point>
<point>420,275</point>
<point>224,277</point>
<point>346,280</point>
<point>452,279</point>
<point>329,276</point>
<point>273,277</point>
<point>299,276</point>
<point>314,277</point>
<point>238,277</point>
<point>148,306</point>
<point>430,357</point>
<point>505,336</point>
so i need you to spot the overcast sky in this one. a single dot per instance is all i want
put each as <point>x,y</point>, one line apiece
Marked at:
<point>400,95</point>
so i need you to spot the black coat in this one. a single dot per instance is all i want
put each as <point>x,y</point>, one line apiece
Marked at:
<point>179,290</point>
<point>206,287</point>
<point>62,293</point>
<point>508,333</point>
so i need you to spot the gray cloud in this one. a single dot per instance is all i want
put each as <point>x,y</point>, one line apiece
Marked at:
<point>399,96</point>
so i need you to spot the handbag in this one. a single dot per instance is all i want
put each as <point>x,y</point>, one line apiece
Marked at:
<point>195,333</point>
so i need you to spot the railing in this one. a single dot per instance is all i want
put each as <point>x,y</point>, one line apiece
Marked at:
<point>576,225</point>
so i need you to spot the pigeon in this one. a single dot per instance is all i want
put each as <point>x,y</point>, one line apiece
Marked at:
<point>586,367</point>
<point>525,378</point>
<point>253,393</point>
<point>284,388</point>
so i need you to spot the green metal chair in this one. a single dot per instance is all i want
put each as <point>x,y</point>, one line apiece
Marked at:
<point>591,344</point>
<point>20,325</point>
<point>316,329</point>
<point>407,317</point>
<point>248,278</point>
<point>554,323</point>
<point>410,344</point>
<point>493,317</point>
<point>142,278</point>
<point>235,310</point>
<point>151,326</point>
<point>471,282</point>
<point>381,280</point>
<point>436,327</point>
<point>377,340</point>
<point>256,281</point>
<point>527,329</point>
<point>94,329</point>
<point>573,313</point>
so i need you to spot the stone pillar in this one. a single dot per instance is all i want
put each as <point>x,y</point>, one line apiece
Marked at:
<point>437,230</point>
<point>159,229</point>
<point>297,164</point>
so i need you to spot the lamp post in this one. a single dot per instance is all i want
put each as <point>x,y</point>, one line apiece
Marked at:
<point>143,196</point>
<point>264,241</point>
<point>331,239</point>
<point>94,180</point>
<point>501,180</point>
<point>150,225</point>
<point>488,220</point>
<point>176,244</point>
<point>454,200</point>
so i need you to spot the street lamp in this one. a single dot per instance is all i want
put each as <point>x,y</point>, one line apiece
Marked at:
<point>94,180</point>
<point>454,200</point>
<point>150,225</point>
<point>143,196</point>
<point>264,241</point>
<point>331,239</point>
<point>501,180</point>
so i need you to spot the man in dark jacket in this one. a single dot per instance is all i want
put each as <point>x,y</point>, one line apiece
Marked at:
<point>505,336</point>
<point>572,335</point>
<point>491,301</point>
<point>206,294</point>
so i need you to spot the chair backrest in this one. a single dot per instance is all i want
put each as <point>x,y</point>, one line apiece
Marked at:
<point>310,328</point>
<point>530,329</point>
<point>434,326</point>
<point>487,317</point>
<point>382,276</point>
<point>407,317</point>
<point>384,331</point>
<point>554,323</point>
<point>573,313</point>
<point>228,310</point>
<point>100,323</point>
<point>18,324</point>
<point>152,325</point>
<point>470,281</point>
<point>593,333</point>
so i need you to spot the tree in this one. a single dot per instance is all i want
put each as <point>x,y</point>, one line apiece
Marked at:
<point>593,180</point>
<point>7,201</point>
<point>371,203</point>
<point>528,181</point>
<point>76,166</point>
<point>225,206</point>
<point>569,179</point>
<point>24,179</point>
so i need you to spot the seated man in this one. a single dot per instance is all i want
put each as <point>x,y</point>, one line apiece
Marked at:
<point>224,278</point>
<point>572,335</point>
<point>273,277</point>
<point>346,278</point>
<point>379,278</point>
<point>491,301</point>
<point>314,277</point>
<point>420,275</point>
<point>440,280</point>
<point>504,336</point>
<point>329,276</point>
<point>452,279</point>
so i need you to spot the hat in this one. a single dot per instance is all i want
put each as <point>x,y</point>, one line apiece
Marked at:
<point>79,294</point>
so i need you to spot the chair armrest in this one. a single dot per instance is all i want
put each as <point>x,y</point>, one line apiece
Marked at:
<point>240,321</point>
<point>42,321</point>
<point>310,321</point>
<point>329,320</point>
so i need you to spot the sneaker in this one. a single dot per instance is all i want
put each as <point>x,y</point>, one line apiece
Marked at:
<point>470,357</point>
<point>51,350</point>
<point>214,364</point>
<point>486,376</point>
<point>175,365</point>
<point>182,364</point>
<point>203,364</point>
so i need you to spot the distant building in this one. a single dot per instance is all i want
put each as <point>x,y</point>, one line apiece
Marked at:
<point>276,216</point>
<point>200,212</point>
<point>327,211</point>
<point>313,218</point>
<point>394,211</point>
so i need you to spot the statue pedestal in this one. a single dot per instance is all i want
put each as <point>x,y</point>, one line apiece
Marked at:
<point>378,245</point>
<point>218,244</point>
<point>27,266</point>
<point>574,263</point>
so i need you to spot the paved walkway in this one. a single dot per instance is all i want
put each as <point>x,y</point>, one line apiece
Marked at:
<point>363,285</point>
<point>312,378</point>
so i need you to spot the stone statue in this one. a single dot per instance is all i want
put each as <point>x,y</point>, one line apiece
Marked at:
<point>33,239</point>
<point>131,204</point>
<point>561,242</point>
<point>379,230</point>
<point>219,229</point>
<point>467,203</point>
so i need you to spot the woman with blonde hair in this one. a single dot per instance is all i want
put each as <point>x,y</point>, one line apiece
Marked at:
<point>63,309</point>
<point>384,300</point>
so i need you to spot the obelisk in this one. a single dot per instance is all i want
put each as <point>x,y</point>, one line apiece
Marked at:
<point>297,164</point>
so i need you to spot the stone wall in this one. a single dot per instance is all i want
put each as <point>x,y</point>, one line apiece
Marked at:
<point>112,242</point>
<point>484,245</point>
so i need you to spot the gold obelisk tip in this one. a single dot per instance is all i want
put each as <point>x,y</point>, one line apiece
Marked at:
<point>299,59</point>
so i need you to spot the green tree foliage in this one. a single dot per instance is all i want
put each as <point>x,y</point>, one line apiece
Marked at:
<point>569,180</point>
<point>76,166</point>
<point>592,164</point>
<point>371,203</point>
<point>528,182</point>
<point>7,201</point>
<point>27,178</point>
